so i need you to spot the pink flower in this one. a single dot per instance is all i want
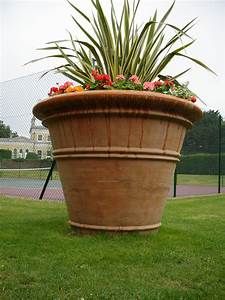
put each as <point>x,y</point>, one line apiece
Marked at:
<point>135,79</point>
<point>158,83</point>
<point>67,84</point>
<point>149,85</point>
<point>120,77</point>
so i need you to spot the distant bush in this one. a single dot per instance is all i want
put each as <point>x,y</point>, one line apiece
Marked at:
<point>5,154</point>
<point>200,164</point>
<point>32,155</point>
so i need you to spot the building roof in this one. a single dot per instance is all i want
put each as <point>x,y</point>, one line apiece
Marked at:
<point>18,139</point>
<point>39,127</point>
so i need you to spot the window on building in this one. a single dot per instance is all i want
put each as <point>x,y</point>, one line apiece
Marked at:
<point>49,153</point>
<point>21,153</point>
<point>39,153</point>
<point>49,138</point>
<point>39,137</point>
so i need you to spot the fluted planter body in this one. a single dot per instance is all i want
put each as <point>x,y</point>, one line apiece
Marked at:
<point>116,152</point>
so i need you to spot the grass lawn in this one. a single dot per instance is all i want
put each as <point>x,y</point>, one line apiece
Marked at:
<point>199,179</point>
<point>41,259</point>
<point>31,174</point>
<point>181,178</point>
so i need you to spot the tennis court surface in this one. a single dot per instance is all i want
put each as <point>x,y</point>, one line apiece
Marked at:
<point>30,182</point>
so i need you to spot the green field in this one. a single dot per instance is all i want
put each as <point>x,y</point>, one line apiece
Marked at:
<point>181,178</point>
<point>41,259</point>
<point>31,174</point>
<point>199,179</point>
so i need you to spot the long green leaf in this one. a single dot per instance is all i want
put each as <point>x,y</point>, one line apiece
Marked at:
<point>49,56</point>
<point>79,11</point>
<point>165,16</point>
<point>182,73</point>
<point>197,62</point>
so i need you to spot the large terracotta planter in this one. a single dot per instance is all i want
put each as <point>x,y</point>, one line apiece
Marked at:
<point>116,152</point>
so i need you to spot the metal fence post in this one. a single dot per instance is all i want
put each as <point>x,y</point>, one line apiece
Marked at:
<point>219,154</point>
<point>47,179</point>
<point>175,183</point>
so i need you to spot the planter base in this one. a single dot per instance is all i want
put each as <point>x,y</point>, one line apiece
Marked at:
<point>93,229</point>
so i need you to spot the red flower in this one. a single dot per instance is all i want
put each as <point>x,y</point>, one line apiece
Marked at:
<point>193,99</point>
<point>53,90</point>
<point>87,87</point>
<point>104,79</point>
<point>168,83</point>
<point>95,74</point>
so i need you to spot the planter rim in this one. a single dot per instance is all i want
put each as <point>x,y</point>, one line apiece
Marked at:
<point>120,99</point>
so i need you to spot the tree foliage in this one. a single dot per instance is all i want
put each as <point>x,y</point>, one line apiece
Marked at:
<point>32,155</point>
<point>5,131</point>
<point>5,154</point>
<point>204,136</point>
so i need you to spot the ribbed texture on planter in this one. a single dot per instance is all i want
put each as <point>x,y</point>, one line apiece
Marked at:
<point>116,152</point>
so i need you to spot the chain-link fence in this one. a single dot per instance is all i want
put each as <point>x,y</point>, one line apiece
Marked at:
<point>25,147</point>
<point>201,170</point>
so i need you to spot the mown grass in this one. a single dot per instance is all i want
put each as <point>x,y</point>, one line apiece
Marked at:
<point>190,179</point>
<point>41,259</point>
<point>31,174</point>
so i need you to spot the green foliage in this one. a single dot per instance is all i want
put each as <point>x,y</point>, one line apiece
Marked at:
<point>127,85</point>
<point>181,91</point>
<point>117,45</point>
<point>41,259</point>
<point>5,154</point>
<point>200,164</point>
<point>32,155</point>
<point>5,131</point>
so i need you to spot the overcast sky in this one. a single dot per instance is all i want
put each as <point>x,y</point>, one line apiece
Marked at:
<point>29,24</point>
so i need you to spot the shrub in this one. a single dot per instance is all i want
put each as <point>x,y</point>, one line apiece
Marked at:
<point>200,164</point>
<point>32,155</point>
<point>5,154</point>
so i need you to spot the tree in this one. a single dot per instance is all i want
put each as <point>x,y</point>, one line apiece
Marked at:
<point>32,155</point>
<point>5,154</point>
<point>5,131</point>
<point>204,136</point>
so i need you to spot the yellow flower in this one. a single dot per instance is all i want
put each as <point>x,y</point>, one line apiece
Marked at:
<point>79,88</point>
<point>73,88</point>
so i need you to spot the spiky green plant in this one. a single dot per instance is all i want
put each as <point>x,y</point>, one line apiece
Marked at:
<point>118,46</point>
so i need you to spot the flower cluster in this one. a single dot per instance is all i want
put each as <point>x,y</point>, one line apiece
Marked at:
<point>170,87</point>
<point>122,82</point>
<point>67,87</point>
<point>133,82</point>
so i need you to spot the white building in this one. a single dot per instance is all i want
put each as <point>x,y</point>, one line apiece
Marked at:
<point>39,142</point>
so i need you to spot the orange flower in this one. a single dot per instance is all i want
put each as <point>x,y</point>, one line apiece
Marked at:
<point>79,88</point>
<point>72,88</point>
